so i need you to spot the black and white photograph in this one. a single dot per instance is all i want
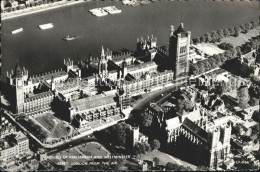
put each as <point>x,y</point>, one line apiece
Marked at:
<point>130,85</point>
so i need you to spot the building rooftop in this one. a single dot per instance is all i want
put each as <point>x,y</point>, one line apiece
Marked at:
<point>195,129</point>
<point>48,76</point>
<point>38,96</point>
<point>173,122</point>
<point>91,102</point>
<point>122,57</point>
<point>156,107</point>
<point>142,65</point>
<point>20,136</point>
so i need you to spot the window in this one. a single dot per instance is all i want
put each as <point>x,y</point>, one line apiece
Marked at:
<point>183,50</point>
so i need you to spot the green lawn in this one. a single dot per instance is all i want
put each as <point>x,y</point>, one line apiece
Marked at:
<point>164,158</point>
<point>242,38</point>
<point>88,149</point>
<point>55,126</point>
<point>94,149</point>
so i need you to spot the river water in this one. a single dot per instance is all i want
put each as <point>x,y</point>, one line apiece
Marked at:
<point>41,51</point>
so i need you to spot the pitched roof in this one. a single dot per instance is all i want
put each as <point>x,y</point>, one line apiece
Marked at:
<point>195,129</point>
<point>173,122</point>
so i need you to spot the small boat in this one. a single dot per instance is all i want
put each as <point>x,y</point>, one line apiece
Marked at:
<point>69,38</point>
<point>17,31</point>
<point>46,26</point>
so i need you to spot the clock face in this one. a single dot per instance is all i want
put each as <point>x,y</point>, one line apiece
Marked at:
<point>19,83</point>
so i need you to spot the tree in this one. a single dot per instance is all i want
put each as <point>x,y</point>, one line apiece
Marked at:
<point>248,26</point>
<point>202,38</point>
<point>139,149</point>
<point>208,37</point>
<point>255,23</point>
<point>220,33</point>
<point>246,48</point>
<point>216,59</point>
<point>155,144</point>
<point>201,67</point>
<point>213,62</point>
<point>231,31</point>
<point>242,27</point>
<point>207,65</point>
<point>119,134</point>
<point>214,36</point>
<point>254,101</point>
<point>194,70</point>
<point>237,30</point>
<point>226,46</point>
<point>222,58</point>
<point>202,168</point>
<point>196,40</point>
<point>169,166</point>
<point>239,52</point>
<point>156,160</point>
<point>147,147</point>
<point>227,32</point>
<point>146,119</point>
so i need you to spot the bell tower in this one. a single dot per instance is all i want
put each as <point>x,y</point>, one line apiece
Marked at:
<point>19,88</point>
<point>179,46</point>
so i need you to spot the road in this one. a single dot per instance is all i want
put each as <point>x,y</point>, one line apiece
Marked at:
<point>155,96</point>
<point>71,144</point>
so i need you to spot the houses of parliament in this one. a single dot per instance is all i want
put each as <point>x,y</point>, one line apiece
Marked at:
<point>109,80</point>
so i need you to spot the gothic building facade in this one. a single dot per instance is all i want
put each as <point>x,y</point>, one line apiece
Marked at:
<point>120,75</point>
<point>179,50</point>
<point>198,132</point>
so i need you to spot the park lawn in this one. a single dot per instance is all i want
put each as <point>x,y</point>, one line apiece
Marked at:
<point>55,126</point>
<point>94,149</point>
<point>165,158</point>
<point>242,38</point>
<point>208,48</point>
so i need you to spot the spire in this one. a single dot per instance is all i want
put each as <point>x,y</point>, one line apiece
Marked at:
<point>172,30</point>
<point>52,79</point>
<point>18,70</point>
<point>102,51</point>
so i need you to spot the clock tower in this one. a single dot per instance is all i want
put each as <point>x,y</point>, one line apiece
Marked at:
<point>19,89</point>
<point>179,46</point>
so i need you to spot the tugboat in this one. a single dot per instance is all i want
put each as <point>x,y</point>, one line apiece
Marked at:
<point>69,38</point>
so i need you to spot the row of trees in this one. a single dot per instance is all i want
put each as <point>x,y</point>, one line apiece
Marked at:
<point>142,148</point>
<point>251,45</point>
<point>213,61</point>
<point>219,59</point>
<point>216,36</point>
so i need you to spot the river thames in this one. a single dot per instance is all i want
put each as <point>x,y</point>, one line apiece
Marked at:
<point>41,51</point>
